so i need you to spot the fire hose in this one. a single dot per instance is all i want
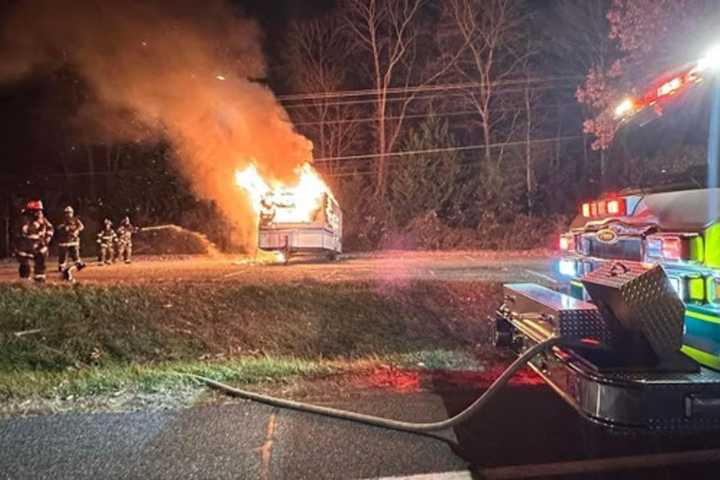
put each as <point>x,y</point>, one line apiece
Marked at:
<point>161,227</point>
<point>410,427</point>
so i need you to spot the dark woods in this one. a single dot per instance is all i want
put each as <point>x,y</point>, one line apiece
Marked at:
<point>453,124</point>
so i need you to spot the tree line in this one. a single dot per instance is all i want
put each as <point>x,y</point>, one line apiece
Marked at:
<point>461,123</point>
<point>482,116</point>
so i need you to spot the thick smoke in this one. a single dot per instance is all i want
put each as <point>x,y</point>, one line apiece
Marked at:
<point>179,70</point>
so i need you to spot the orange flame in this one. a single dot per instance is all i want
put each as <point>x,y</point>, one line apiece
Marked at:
<point>296,203</point>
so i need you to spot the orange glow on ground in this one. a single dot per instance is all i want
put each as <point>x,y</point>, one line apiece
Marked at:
<point>411,380</point>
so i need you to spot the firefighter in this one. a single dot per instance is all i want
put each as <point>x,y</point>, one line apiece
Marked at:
<point>267,211</point>
<point>125,233</point>
<point>35,235</point>
<point>106,239</point>
<point>69,244</point>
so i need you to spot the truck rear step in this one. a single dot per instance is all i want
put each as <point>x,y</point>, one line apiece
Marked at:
<point>600,384</point>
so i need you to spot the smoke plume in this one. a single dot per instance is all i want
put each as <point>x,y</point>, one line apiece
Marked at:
<point>183,71</point>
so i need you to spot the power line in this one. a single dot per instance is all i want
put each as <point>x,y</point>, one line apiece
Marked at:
<point>349,174</point>
<point>356,171</point>
<point>422,97</point>
<point>348,170</point>
<point>424,115</point>
<point>421,88</point>
<point>446,149</point>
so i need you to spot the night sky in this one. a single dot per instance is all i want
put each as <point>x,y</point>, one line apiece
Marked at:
<point>43,154</point>
<point>36,109</point>
<point>33,130</point>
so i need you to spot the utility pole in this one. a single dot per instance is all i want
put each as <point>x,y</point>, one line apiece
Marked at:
<point>529,173</point>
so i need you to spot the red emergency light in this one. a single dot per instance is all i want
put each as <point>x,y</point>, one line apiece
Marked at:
<point>672,248</point>
<point>586,210</point>
<point>603,208</point>
<point>616,207</point>
<point>661,91</point>
<point>670,86</point>
<point>567,243</point>
<point>667,247</point>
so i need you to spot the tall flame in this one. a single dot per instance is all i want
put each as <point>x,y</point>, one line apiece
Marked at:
<point>297,203</point>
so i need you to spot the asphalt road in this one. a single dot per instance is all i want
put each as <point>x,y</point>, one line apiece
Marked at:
<point>460,266</point>
<point>527,425</point>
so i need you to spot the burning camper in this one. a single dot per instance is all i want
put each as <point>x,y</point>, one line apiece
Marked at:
<point>298,219</point>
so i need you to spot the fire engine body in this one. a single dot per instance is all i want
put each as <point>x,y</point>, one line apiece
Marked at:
<point>678,230</point>
<point>641,313</point>
<point>640,327</point>
<point>621,363</point>
<point>322,233</point>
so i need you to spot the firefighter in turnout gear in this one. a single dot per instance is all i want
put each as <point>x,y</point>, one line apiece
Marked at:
<point>106,239</point>
<point>267,211</point>
<point>69,244</point>
<point>35,235</point>
<point>125,233</point>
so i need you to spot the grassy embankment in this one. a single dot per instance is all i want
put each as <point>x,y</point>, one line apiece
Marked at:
<point>60,342</point>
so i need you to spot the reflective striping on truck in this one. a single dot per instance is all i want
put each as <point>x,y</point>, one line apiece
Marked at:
<point>679,230</point>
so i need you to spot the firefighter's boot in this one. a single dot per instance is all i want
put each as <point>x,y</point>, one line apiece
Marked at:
<point>24,269</point>
<point>68,274</point>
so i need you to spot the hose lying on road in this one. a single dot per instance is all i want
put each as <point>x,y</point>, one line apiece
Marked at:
<point>411,427</point>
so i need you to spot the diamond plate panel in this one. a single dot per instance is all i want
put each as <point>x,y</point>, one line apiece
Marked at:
<point>582,324</point>
<point>569,317</point>
<point>641,298</point>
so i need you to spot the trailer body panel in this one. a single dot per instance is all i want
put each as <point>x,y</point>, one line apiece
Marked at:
<point>323,233</point>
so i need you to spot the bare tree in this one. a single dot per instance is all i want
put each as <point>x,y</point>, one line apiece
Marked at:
<point>387,31</point>
<point>495,53</point>
<point>492,30</point>
<point>391,34</point>
<point>529,171</point>
<point>314,57</point>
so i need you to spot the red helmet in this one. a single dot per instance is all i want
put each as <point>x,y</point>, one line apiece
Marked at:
<point>34,205</point>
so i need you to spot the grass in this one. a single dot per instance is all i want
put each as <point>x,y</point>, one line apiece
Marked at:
<point>58,342</point>
<point>151,378</point>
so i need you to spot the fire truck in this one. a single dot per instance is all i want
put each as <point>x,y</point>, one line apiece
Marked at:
<point>637,328</point>
<point>678,230</point>
<point>320,233</point>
